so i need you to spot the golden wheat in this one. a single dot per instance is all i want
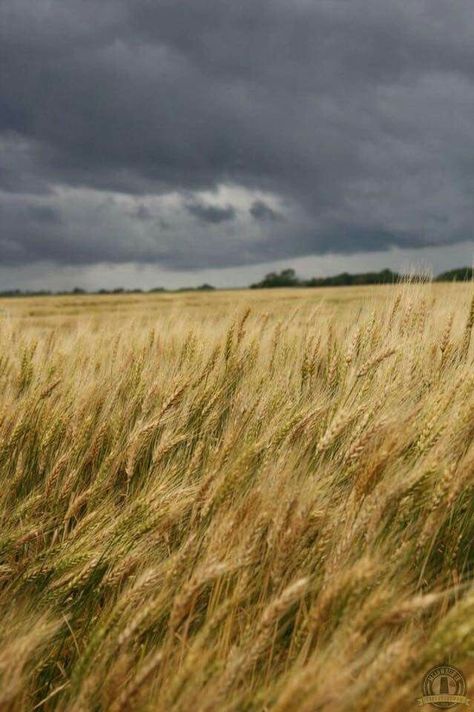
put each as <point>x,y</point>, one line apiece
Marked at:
<point>236,501</point>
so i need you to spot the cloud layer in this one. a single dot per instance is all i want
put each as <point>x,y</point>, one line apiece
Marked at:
<point>194,133</point>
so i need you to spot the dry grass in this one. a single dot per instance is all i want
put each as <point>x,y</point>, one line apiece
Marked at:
<point>237,501</point>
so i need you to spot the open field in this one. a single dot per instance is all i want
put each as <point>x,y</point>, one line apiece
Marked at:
<point>243,500</point>
<point>45,311</point>
<point>73,312</point>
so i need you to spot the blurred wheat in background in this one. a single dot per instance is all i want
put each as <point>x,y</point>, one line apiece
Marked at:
<point>236,501</point>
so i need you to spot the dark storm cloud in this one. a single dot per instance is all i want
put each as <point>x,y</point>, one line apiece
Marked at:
<point>43,214</point>
<point>141,212</point>
<point>211,214</point>
<point>355,114</point>
<point>261,211</point>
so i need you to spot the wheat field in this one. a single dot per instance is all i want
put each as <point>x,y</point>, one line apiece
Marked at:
<point>236,501</point>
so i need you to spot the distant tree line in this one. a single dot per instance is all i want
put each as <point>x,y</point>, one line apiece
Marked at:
<point>285,278</point>
<point>462,274</point>
<point>288,278</point>
<point>117,290</point>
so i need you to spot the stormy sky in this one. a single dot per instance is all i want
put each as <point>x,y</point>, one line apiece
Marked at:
<point>172,142</point>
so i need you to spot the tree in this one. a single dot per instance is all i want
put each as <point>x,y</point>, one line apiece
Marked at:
<point>461,274</point>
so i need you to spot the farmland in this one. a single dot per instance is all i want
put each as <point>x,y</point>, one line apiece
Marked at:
<point>237,500</point>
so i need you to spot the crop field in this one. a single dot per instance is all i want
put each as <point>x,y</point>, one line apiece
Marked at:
<point>236,501</point>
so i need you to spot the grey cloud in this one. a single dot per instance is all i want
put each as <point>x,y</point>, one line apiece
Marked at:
<point>212,214</point>
<point>141,212</point>
<point>259,210</point>
<point>43,214</point>
<point>356,113</point>
<point>86,231</point>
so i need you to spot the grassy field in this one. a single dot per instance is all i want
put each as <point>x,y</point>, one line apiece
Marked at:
<point>236,500</point>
